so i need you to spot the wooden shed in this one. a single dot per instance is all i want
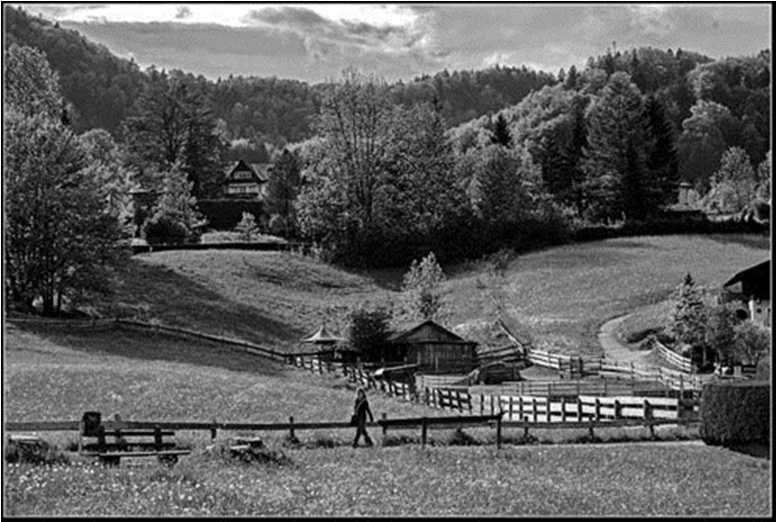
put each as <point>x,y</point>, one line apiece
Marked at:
<point>434,349</point>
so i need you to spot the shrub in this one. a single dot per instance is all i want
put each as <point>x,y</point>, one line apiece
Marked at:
<point>460,438</point>
<point>225,214</point>
<point>369,332</point>
<point>163,229</point>
<point>37,452</point>
<point>735,413</point>
<point>247,227</point>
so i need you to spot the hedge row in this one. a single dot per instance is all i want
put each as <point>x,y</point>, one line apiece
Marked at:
<point>735,413</point>
<point>224,214</point>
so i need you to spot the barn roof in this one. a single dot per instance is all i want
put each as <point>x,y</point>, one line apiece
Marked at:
<point>322,336</point>
<point>402,336</point>
<point>754,280</point>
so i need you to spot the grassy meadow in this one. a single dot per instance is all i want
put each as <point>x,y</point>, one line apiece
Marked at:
<point>54,374</point>
<point>558,296</point>
<point>627,480</point>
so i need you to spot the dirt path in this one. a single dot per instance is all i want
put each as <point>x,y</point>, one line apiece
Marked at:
<point>613,348</point>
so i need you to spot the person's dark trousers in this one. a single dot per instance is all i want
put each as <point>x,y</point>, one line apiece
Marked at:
<point>361,429</point>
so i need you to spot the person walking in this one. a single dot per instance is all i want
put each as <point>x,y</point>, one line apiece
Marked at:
<point>361,409</point>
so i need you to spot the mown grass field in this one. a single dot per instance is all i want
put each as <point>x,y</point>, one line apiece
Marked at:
<point>623,480</point>
<point>558,296</point>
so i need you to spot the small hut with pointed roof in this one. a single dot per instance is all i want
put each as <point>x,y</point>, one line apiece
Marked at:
<point>326,342</point>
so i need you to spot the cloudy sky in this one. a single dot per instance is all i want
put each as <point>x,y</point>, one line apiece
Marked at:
<point>314,42</point>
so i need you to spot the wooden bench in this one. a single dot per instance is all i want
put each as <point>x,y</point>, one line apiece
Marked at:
<point>127,442</point>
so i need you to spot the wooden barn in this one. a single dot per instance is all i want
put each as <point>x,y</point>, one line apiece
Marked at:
<point>434,349</point>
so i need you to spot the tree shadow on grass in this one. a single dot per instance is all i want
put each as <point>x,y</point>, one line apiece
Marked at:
<point>149,291</point>
<point>150,346</point>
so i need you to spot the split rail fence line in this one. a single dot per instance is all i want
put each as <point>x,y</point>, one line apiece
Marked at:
<point>425,423</point>
<point>674,378</point>
<point>540,409</point>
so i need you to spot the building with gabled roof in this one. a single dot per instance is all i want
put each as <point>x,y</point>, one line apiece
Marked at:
<point>752,287</point>
<point>434,349</point>
<point>246,180</point>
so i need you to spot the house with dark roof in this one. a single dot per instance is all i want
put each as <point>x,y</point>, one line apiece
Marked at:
<point>752,288</point>
<point>246,180</point>
<point>434,349</point>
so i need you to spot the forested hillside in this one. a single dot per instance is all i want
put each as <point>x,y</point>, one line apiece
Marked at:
<point>102,87</point>
<point>693,109</point>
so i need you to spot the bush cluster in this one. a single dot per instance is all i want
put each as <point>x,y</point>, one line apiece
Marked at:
<point>225,214</point>
<point>735,413</point>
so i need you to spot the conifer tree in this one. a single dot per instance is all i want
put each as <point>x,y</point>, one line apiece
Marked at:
<point>688,319</point>
<point>661,155</point>
<point>501,132</point>
<point>616,146</point>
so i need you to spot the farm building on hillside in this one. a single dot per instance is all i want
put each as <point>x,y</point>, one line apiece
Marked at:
<point>246,180</point>
<point>434,349</point>
<point>751,287</point>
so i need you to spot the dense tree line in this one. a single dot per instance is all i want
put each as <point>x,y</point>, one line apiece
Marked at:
<point>614,139</point>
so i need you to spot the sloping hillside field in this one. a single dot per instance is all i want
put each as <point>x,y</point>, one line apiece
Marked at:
<point>558,296</point>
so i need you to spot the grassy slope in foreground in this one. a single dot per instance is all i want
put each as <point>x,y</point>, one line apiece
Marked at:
<point>617,480</point>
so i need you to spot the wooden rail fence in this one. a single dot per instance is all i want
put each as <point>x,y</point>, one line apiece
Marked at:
<point>675,359</point>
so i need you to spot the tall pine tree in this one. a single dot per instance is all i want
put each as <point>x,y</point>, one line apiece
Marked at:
<point>615,152</point>
<point>661,155</point>
<point>501,132</point>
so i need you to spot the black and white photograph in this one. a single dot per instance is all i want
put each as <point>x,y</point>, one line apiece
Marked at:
<point>352,259</point>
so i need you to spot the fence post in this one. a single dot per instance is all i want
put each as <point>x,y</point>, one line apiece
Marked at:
<point>526,427</point>
<point>291,428</point>
<point>213,430</point>
<point>647,412</point>
<point>563,409</point>
<point>597,407</point>
<point>499,432</point>
<point>423,431</point>
<point>482,400</point>
<point>632,370</point>
<point>579,409</point>
<point>534,409</point>
<point>547,409</point>
<point>385,428</point>
<point>520,407</point>
<point>617,409</point>
<point>492,404</point>
<point>510,410</point>
<point>158,438</point>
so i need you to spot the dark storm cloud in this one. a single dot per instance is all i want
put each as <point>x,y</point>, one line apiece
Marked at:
<point>332,33</point>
